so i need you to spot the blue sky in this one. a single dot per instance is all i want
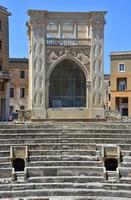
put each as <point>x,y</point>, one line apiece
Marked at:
<point>117,28</point>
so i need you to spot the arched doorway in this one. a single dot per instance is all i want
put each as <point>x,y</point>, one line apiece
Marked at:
<point>111,164</point>
<point>67,85</point>
<point>19,164</point>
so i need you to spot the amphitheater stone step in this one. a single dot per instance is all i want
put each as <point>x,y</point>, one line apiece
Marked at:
<point>65,161</point>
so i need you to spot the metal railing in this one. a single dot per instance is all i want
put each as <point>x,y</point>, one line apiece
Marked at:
<point>67,42</point>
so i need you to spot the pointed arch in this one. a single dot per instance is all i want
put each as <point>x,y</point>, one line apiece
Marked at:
<point>65,57</point>
<point>67,85</point>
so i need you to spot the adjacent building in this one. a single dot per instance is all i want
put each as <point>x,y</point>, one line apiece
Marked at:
<point>18,84</point>
<point>121,82</point>
<point>13,74</point>
<point>4,64</point>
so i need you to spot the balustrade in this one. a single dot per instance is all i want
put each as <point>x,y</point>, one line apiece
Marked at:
<point>67,42</point>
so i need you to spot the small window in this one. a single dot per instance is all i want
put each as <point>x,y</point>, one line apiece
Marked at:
<point>109,96</point>
<point>22,107</point>
<point>0,25</point>
<point>22,74</point>
<point>122,67</point>
<point>0,44</point>
<point>1,65</point>
<point>121,84</point>
<point>109,83</point>
<point>11,92</point>
<point>1,86</point>
<point>22,92</point>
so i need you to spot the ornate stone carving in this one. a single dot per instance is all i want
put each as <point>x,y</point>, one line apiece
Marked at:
<point>38,68</point>
<point>97,50</point>
<point>97,99</point>
<point>97,83</point>
<point>38,98</point>
<point>38,32</point>
<point>98,33</point>
<point>83,58</point>
<point>97,66</point>
<point>38,82</point>
<point>38,47</point>
<point>53,56</point>
<point>38,65</point>
<point>82,54</point>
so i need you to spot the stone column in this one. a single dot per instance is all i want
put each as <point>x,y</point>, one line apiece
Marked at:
<point>97,74</point>
<point>59,30</point>
<point>37,70</point>
<point>75,30</point>
<point>87,31</point>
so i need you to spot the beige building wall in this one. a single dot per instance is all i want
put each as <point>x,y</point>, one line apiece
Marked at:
<point>121,81</point>
<point>19,79</point>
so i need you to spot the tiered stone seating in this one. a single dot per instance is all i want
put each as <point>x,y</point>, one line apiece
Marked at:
<point>65,161</point>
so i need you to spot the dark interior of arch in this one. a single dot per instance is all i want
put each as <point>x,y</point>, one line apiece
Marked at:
<point>111,164</point>
<point>67,85</point>
<point>19,164</point>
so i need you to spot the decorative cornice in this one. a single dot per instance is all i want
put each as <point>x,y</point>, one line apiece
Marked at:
<point>120,55</point>
<point>40,14</point>
<point>4,11</point>
<point>18,60</point>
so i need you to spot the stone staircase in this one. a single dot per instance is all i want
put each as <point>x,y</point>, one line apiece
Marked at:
<point>64,161</point>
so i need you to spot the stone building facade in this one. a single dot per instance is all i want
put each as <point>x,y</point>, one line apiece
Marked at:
<point>66,64</point>
<point>121,82</point>
<point>19,83</point>
<point>13,74</point>
<point>19,74</point>
<point>4,63</point>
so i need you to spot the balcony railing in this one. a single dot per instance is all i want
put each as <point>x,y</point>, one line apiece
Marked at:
<point>67,42</point>
<point>4,75</point>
